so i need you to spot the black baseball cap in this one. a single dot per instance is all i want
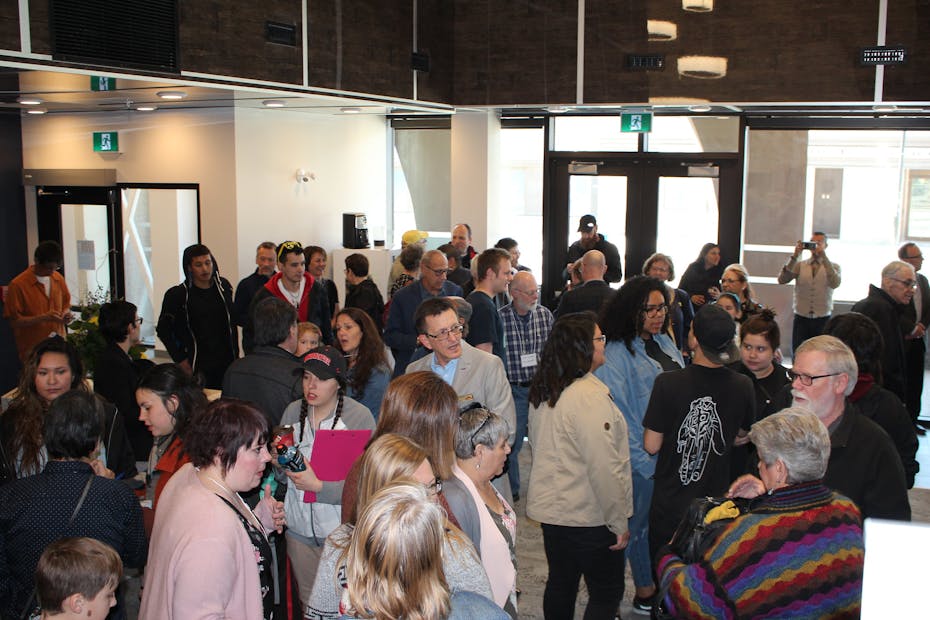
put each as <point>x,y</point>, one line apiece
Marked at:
<point>587,223</point>
<point>715,331</point>
<point>325,362</point>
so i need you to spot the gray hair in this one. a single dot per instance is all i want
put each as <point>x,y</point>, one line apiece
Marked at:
<point>892,268</point>
<point>840,358</point>
<point>798,438</point>
<point>490,427</point>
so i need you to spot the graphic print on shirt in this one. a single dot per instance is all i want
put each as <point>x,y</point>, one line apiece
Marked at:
<point>700,432</point>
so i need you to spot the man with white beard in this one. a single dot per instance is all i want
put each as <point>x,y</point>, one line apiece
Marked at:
<point>863,465</point>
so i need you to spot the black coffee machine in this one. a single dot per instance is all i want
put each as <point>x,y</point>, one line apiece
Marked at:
<point>354,231</point>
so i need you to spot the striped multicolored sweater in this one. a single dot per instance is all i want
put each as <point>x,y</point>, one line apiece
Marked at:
<point>798,554</point>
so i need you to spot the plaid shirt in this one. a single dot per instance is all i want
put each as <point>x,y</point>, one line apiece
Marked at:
<point>524,338</point>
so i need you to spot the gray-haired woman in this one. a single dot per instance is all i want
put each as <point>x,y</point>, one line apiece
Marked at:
<point>481,451</point>
<point>762,563</point>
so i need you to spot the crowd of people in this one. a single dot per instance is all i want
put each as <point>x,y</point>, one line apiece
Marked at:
<point>638,400</point>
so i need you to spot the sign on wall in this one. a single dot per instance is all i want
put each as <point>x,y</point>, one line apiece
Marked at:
<point>106,142</point>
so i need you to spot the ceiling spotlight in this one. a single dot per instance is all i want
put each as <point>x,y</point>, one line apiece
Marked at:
<point>273,103</point>
<point>698,6</point>
<point>29,101</point>
<point>350,110</point>
<point>661,30</point>
<point>699,108</point>
<point>37,111</point>
<point>172,95</point>
<point>702,67</point>
<point>147,108</point>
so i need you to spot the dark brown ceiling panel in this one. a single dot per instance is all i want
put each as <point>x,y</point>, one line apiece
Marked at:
<point>229,38</point>
<point>9,26</point>
<point>434,38</point>
<point>39,26</point>
<point>613,30</point>
<point>909,25</point>
<point>511,53</point>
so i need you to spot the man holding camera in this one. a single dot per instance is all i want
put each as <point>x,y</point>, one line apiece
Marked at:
<point>816,278</point>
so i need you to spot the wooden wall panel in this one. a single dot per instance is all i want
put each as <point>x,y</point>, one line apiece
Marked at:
<point>434,37</point>
<point>909,25</point>
<point>9,25</point>
<point>614,29</point>
<point>39,27</point>
<point>362,45</point>
<point>519,52</point>
<point>228,38</point>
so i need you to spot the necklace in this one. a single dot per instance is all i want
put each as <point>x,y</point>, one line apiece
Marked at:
<point>248,511</point>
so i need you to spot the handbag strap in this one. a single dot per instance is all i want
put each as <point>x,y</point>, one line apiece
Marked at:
<point>77,508</point>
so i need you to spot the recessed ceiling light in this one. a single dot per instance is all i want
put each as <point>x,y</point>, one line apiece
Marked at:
<point>172,95</point>
<point>350,110</point>
<point>37,111</point>
<point>147,108</point>
<point>660,30</point>
<point>702,67</point>
<point>699,108</point>
<point>29,101</point>
<point>698,6</point>
<point>273,103</point>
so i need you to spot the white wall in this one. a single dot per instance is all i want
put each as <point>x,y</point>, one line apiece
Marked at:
<point>475,171</point>
<point>346,154</point>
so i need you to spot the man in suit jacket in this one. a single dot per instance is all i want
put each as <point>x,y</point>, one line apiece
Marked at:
<point>476,376</point>
<point>917,317</point>
<point>594,293</point>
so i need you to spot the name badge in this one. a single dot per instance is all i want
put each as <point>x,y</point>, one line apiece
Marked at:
<point>528,360</point>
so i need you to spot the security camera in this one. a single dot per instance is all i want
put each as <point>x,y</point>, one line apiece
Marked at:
<point>304,177</point>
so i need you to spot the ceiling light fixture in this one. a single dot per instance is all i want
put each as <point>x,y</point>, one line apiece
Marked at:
<point>660,30</point>
<point>884,107</point>
<point>699,108</point>
<point>677,101</point>
<point>350,110</point>
<point>37,111</point>
<point>702,67</point>
<point>698,6</point>
<point>147,108</point>
<point>29,101</point>
<point>172,95</point>
<point>273,103</point>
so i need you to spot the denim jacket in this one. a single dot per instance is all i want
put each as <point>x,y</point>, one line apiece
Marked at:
<point>629,378</point>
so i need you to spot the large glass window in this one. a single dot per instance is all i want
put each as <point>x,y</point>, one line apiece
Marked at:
<point>592,133</point>
<point>693,134</point>
<point>421,180</point>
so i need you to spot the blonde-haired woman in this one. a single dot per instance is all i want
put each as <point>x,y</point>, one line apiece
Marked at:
<point>394,566</point>
<point>390,458</point>
<point>736,280</point>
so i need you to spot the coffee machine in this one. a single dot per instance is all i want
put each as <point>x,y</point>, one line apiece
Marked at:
<point>354,231</point>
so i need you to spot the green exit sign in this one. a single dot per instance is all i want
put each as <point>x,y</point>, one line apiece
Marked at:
<point>98,82</point>
<point>636,122</point>
<point>106,142</point>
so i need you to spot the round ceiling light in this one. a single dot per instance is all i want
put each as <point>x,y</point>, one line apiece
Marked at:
<point>147,108</point>
<point>273,103</point>
<point>172,95</point>
<point>660,30</point>
<point>702,67</point>
<point>350,110</point>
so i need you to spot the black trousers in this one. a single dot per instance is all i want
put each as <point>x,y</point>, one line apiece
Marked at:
<point>914,373</point>
<point>573,552</point>
<point>804,328</point>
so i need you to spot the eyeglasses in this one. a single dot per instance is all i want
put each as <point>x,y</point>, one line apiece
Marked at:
<point>436,487</point>
<point>601,338</point>
<point>138,321</point>
<point>907,283</point>
<point>444,334</point>
<point>532,293</point>
<point>730,280</point>
<point>654,311</point>
<point>289,247</point>
<point>439,272</point>
<point>807,380</point>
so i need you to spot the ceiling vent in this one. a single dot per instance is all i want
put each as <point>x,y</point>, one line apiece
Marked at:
<point>139,34</point>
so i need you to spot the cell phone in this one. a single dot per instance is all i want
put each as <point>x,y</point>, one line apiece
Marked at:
<point>809,245</point>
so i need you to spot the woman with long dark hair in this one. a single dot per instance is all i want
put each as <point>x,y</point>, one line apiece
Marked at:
<point>635,323</point>
<point>680,309</point>
<point>702,277</point>
<point>52,368</point>
<point>368,371</point>
<point>580,490</point>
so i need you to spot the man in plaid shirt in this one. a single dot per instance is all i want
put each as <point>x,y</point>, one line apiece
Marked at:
<point>526,328</point>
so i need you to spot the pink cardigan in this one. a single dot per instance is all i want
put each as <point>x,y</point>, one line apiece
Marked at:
<point>201,563</point>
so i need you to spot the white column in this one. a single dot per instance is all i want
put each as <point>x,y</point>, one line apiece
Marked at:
<point>475,178</point>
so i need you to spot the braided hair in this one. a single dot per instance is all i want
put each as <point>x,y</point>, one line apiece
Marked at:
<point>305,406</point>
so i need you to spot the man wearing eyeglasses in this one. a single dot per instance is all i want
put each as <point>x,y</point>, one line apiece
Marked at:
<point>475,376</point>
<point>863,464</point>
<point>37,302</point>
<point>886,307</point>
<point>400,332</point>
<point>917,314</point>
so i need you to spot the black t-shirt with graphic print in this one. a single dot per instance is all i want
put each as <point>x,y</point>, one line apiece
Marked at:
<point>699,411</point>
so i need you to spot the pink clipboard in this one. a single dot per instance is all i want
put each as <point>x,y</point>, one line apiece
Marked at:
<point>333,454</point>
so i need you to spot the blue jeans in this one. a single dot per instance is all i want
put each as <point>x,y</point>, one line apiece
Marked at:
<point>637,552</point>
<point>522,404</point>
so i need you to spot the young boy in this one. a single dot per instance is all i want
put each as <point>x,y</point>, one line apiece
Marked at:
<point>77,578</point>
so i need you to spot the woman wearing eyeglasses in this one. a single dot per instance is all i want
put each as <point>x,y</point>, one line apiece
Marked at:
<point>481,451</point>
<point>736,280</point>
<point>638,349</point>
<point>580,489</point>
<point>392,458</point>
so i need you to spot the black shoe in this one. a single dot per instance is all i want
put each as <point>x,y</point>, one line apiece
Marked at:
<point>516,498</point>
<point>642,606</point>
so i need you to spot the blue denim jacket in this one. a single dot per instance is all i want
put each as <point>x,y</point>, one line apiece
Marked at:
<point>629,378</point>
